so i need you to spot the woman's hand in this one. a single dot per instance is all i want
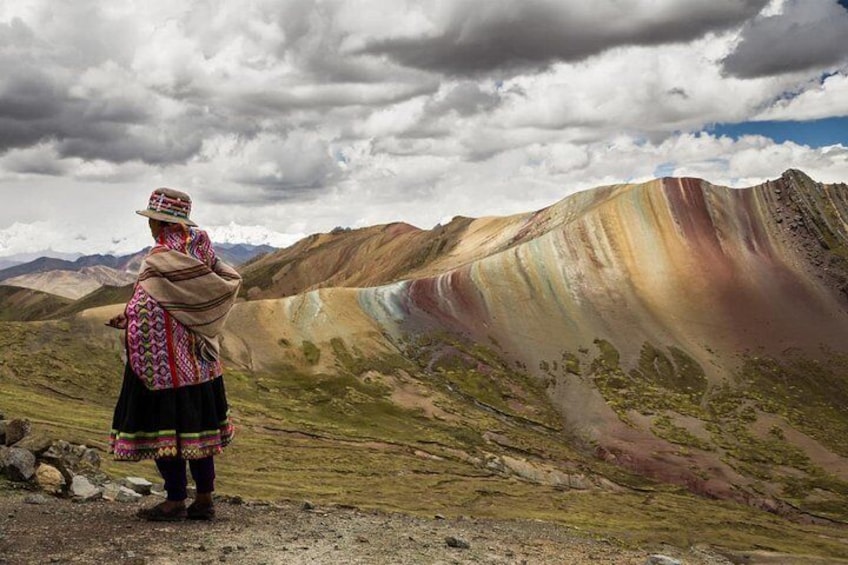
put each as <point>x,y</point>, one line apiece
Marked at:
<point>118,322</point>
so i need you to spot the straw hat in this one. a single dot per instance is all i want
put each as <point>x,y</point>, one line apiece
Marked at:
<point>169,205</point>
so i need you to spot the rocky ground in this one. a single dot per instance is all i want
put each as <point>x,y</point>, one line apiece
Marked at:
<point>40,529</point>
<point>56,506</point>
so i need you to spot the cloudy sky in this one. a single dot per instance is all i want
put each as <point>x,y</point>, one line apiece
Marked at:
<point>288,117</point>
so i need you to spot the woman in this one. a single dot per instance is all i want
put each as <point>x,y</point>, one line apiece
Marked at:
<point>173,406</point>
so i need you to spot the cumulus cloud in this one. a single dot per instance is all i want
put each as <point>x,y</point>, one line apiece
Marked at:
<point>826,99</point>
<point>286,168</point>
<point>806,34</point>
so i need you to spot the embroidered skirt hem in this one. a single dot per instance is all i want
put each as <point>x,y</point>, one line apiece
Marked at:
<point>190,422</point>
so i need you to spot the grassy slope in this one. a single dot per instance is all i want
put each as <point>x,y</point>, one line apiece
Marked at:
<point>24,304</point>
<point>103,296</point>
<point>339,437</point>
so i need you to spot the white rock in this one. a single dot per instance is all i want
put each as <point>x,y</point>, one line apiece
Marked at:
<point>82,489</point>
<point>110,491</point>
<point>127,495</point>
<point>662,560</point>
<point>138,484</point>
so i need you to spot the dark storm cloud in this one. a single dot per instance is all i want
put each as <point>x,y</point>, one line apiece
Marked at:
<point>36,108</point>
<point>809,34</point>
<point>482,36</point>
<point>40,101</point>
<point>28,103</point>
<point>80,86</point>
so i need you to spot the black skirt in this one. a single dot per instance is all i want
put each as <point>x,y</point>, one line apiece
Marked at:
<point>190,422</point>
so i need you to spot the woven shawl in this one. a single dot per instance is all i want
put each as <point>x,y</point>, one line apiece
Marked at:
<point>198,296</point>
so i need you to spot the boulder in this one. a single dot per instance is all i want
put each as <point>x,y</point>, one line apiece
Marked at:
<point>18,464</point>
<point>90,458</point>
<point>38,442</point>
<point>82,490</point>
<point>3,424</point>
<point>49,479</point>
<point>138,484</point>
<point>16,430</point>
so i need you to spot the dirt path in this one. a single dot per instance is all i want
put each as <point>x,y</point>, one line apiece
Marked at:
<point>60,531</point>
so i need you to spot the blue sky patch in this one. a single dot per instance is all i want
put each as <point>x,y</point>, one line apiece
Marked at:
<point>813,133</point>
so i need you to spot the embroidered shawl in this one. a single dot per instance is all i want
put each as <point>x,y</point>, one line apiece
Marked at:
<point>180,303</point>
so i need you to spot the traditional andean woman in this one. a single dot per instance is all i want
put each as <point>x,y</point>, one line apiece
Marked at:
<point>173,406</point>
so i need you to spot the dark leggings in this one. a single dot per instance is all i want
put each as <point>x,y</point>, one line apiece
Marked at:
<point>173,470</point>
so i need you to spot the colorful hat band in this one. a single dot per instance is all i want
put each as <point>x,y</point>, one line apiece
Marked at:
<point>164,204</point>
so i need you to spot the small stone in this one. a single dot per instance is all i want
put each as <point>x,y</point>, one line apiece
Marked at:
<point>140,485</point>
<point>35,499</point>
<point>16,430</point>
<point>49,479</point>
<point>307,505</point>
<point>658,559</point>
<point>440,517</point>
<point>90,457</point>
<point>127,495</point>
<point>110,491</point>
<point>19,464</point>
<point>82,490</point>
<point>457,543</point>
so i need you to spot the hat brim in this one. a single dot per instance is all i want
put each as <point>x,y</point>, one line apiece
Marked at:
<point>165,217</point>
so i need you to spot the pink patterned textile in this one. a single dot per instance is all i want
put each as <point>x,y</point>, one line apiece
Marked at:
<point>162,351</point>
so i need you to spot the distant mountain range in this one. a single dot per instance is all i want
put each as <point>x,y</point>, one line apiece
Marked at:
<point>78,277</point>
